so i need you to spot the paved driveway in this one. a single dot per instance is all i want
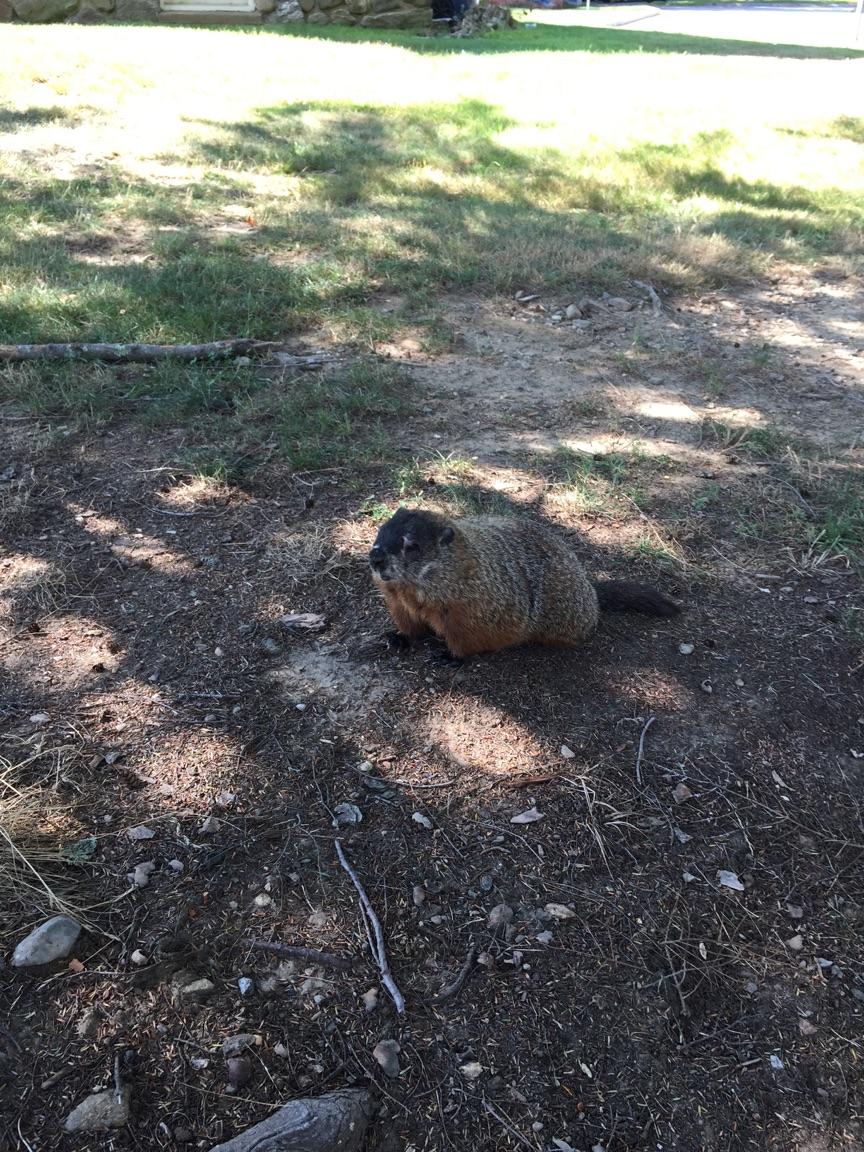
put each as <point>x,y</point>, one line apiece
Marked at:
<point>771,23</point>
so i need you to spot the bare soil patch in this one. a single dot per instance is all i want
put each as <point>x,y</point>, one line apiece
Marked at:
<point>141,616</point>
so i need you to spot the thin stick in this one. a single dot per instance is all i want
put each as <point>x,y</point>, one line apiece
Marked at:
<point>151,353</point>
<point>118,1080</point>
<point>514,1132</point>
<point>299,952</point>
<point>379,950</point>
<point>639,754</point>
<point>455,986</point>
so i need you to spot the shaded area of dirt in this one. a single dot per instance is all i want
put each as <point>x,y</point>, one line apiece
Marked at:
<point>655,1006</point>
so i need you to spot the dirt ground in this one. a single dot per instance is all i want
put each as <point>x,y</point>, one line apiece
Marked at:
<point>655,1007</point>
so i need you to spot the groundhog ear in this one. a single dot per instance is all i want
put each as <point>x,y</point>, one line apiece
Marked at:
<point>446,535</point>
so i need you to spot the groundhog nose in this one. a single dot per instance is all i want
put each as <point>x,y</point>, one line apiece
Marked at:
<point>377,557</point>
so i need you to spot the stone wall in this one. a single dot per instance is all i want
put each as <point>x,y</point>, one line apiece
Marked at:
<point>366,13</point>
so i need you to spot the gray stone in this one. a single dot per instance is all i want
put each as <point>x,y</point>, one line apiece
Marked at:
<point>50,941</point>
<point>500,916</point>
<point>5,14</point>
<point>321,1124</point>
<point>386,1054</point>
<point>198,990</point>
<point>265,7</point>
<point>43,11</point>
<point>234,1045</point>
<point>92,12</point>
<point>100,1112</point>
<point>318,18</point>
<point>136,11</point>
<point>288,12</point>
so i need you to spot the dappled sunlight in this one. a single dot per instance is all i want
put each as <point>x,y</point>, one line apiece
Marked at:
<point>131,545</point>
<point>69,650</point>
<point>474,734</point>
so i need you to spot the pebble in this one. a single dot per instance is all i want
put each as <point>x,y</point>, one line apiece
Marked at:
<point>140,878</point>
<point>681,793</point>
<point>175,865</point>
<point>544,937</point>
<point>198,990</point>
<point>239,1072</point>
<point>795,911</point>
<point>418,895</point>
<point>573,312</point>
<point>262,900</point>
<point>567,752</point>
<point>210,825</point>
<point>560,911</point>
<point>686,649</point>
<point>795,943</point>
<point>424,821</point>
<point>140,832</point>
<point>486,883</point>
<point>370,1000</point>
<point>472,1070</point>
<point>138,957</point>
<point>50,941</point>
<point>500,916</point>
<point>806,1028</point>
<point>39,718</point>
<point>199,1063</point>
<point>386,1053</point>
<point>100,1112</point>
<point>234,1045</point>
<point>347,814</point>
<point>245,984</point>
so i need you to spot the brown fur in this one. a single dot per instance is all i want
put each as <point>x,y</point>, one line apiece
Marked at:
<point>483,583</point>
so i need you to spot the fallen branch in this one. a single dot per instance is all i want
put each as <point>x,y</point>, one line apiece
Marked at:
<point>377,945</point>
<point>656,302</point>
<point>455,986</point>
<point>152,353</point>
<point>299,952</point>
<point>639,755</point>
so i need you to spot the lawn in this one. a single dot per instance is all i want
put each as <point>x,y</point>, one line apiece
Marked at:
<point>611,279</point>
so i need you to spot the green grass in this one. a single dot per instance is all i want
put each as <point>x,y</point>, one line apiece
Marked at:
<point>175,184</point>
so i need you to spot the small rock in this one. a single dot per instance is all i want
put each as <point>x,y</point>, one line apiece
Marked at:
<point>239,1072</point>
<point>225,799</point>
<point>370,1000</point>
<point>198,990</point>
<point>751,987</point>
<point>419,818</point>
<point>262,900</point>
<point>544,937</point>
<point>806,1028</point>
<point>303,621</point>
<point>487,960</point>
<point>386,1053</point>
<point>824,962</point>
<point>776,1063</point>
<point>140,832</point>
<point>210,825</point>
<point>88,1025</point>
<point>560,911</point>
<point>318,919</point>
<point>795,911</point>
<point>500,916</point>
<point>138,957</point>
<point>686,649</point>
<point>140,878</point>
<point>472,1070</point>
<point>567,753</point>
<point>418,895</point>
<point>486,883</point>
<point>618,304</point>
<point>281,1050</point>
<point>529,816</point>
<point>795,943</point>
<point>347,814</point>
<point>537,1126</point>
<point>573,312</point>
<point>681,793</point>
<point>175,865</point>
<point>730,880</point>
<point>199,1063</point>
<point>51,941</point>
<point>234,1045</point>
<point>39,718</point>
<point>245,984</point>
<point>100,1112</point>
<point>688,877</point>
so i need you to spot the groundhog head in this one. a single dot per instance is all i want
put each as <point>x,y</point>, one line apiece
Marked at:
<point>409,546</point>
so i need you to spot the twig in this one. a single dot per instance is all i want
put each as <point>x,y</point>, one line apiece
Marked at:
<point>455,986</point>
<point>151,353</point>
<point>118,1080</point>
<point>299,952</point>
<point>656,302</point>
<point>514,1132</point>
<point>378,949</point>
<point>639,754</point>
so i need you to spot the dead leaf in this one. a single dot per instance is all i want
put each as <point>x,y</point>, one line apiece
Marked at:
<point>778,779</point>
<point>75,965</point>
<point>560,911</point>
<point>529,816</point>
<point>422,820</point>
<point>681,793</point>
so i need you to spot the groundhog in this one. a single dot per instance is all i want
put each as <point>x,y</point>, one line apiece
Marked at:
<point>483,583</point>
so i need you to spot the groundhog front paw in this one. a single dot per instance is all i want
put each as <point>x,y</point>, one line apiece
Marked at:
<point>445,657</point>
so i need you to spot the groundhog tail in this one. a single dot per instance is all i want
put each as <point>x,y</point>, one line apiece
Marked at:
<point>622,596</point>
